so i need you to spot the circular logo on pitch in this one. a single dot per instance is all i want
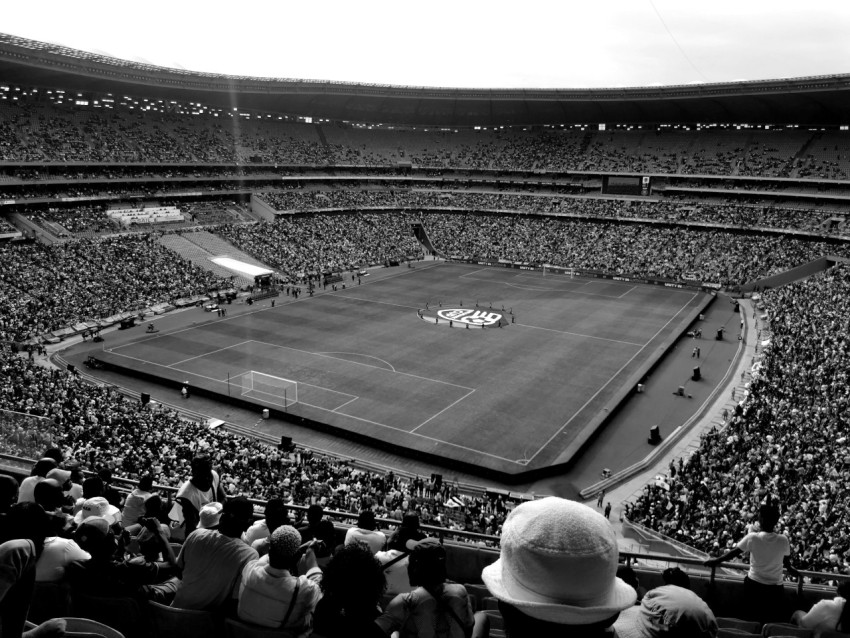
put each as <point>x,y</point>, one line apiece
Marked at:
<point>472,317</point>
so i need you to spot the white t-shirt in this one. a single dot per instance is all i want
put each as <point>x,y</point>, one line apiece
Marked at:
<point>824,616</point>
<point>398,581</point>
<point>57,555</point>
<point>373,538</point>
<point>767,551</point>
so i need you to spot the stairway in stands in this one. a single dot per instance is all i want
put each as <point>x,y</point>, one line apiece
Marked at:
<point>200,248</point>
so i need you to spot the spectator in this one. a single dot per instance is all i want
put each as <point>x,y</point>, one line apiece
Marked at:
<point>395,560</point>
<point>204,486</point>
<point>366,533</point>
<point>212,560</point>
<point>435,607</point>
<point>827,615</point>
<point>272,594</point>
<point>353,585</point>
<point>258,534</point>
<point>675,576</point>
<point>8,497</point>
<point>134,505</point>
<point>318,529</point>
<point>557,571</point>
<point>210,515</point>
<point>18,560</point>
<point>769,551</point>
<point>38,474</point>
<point>667,611</point>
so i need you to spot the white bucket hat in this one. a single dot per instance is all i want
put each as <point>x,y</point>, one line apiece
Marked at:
<point>98,507</point>
<point>558,564</point>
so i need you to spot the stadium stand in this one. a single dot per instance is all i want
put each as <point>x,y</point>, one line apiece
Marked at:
<point>734,204</point>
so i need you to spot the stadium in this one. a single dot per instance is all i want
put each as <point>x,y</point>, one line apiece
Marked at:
<point>370,296</point>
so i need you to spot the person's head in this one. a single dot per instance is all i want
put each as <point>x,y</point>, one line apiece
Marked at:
<point>366,520</point>
<point>276,514</point>
<point>354,564</point>
<point>843,623</point>
<point>284,545</point>
<point>92,486</point>
<point>105,475</point>
<point>98,507</point>
<point>557,568</point>
<point>675,576</point>
<point>27,520</point>
<point>54,453</point>
<point>202,476</point>
<point>630,577</point>
<point>95,536</point>
<point>768,516</point>
<point>8,492</point>
<point>236,516</point>
<point>153,507</point>
<point>49,494</point>
<point>407,533</point>
<point>146,483</point>
<point>210,515</point>
<point>668,612</point>
<point>43,466</point>
<point>426,566</point>
<point>63,477</point>
<point>314,514</point>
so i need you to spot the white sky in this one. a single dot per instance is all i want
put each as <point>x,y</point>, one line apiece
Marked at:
<point>459,43</point>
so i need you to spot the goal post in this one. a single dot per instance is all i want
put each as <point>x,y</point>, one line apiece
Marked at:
<point>269,388</point>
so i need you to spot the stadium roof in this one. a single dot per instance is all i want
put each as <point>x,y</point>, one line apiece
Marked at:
<point>811,101</point>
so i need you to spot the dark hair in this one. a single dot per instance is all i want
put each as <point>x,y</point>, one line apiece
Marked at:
<point>54,453</point>
<point>43,466</point>
<point>675,576</point>
<point>236,516</point>
<point>426,566</point>
<point>48,493</point>
<point>769,516</point>
<point>8,491</point>
<point>92,486</point>
<point>315,513</point>
<point>366,520</point>
<point>630,577</point>
<point>276,514</point>
<point>27,520</point>
<point>146,483</point>
<point>354,564</point>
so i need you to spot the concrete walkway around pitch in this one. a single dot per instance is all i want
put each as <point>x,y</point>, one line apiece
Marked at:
<point>726,400</point>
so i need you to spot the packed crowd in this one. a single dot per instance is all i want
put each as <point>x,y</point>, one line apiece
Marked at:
<point>35,130</point>
<point>786,440</point>
<point>327,243</point>
<point>142,440</point>
<point>45,288</point>
<point>727,215</point>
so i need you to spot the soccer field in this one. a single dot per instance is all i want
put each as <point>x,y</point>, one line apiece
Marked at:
<point>512,399</point>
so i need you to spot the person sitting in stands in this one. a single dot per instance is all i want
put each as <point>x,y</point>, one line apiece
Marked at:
<point>134,504</point>
<point>353,586</point>
<point>667,612</point>
<point>827,615</point>
<point>271,593</point>
<point>366,533</point>
<point>26,493</point>
<point>259,533</point>
<point>556,573</point>
<point>212,560</point>
<point>318,529</point>
<point>19,555</point>
<point>435,607</point>
<point>395,560</point>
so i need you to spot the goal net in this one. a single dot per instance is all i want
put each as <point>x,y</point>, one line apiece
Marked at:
<point>268,388</point>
